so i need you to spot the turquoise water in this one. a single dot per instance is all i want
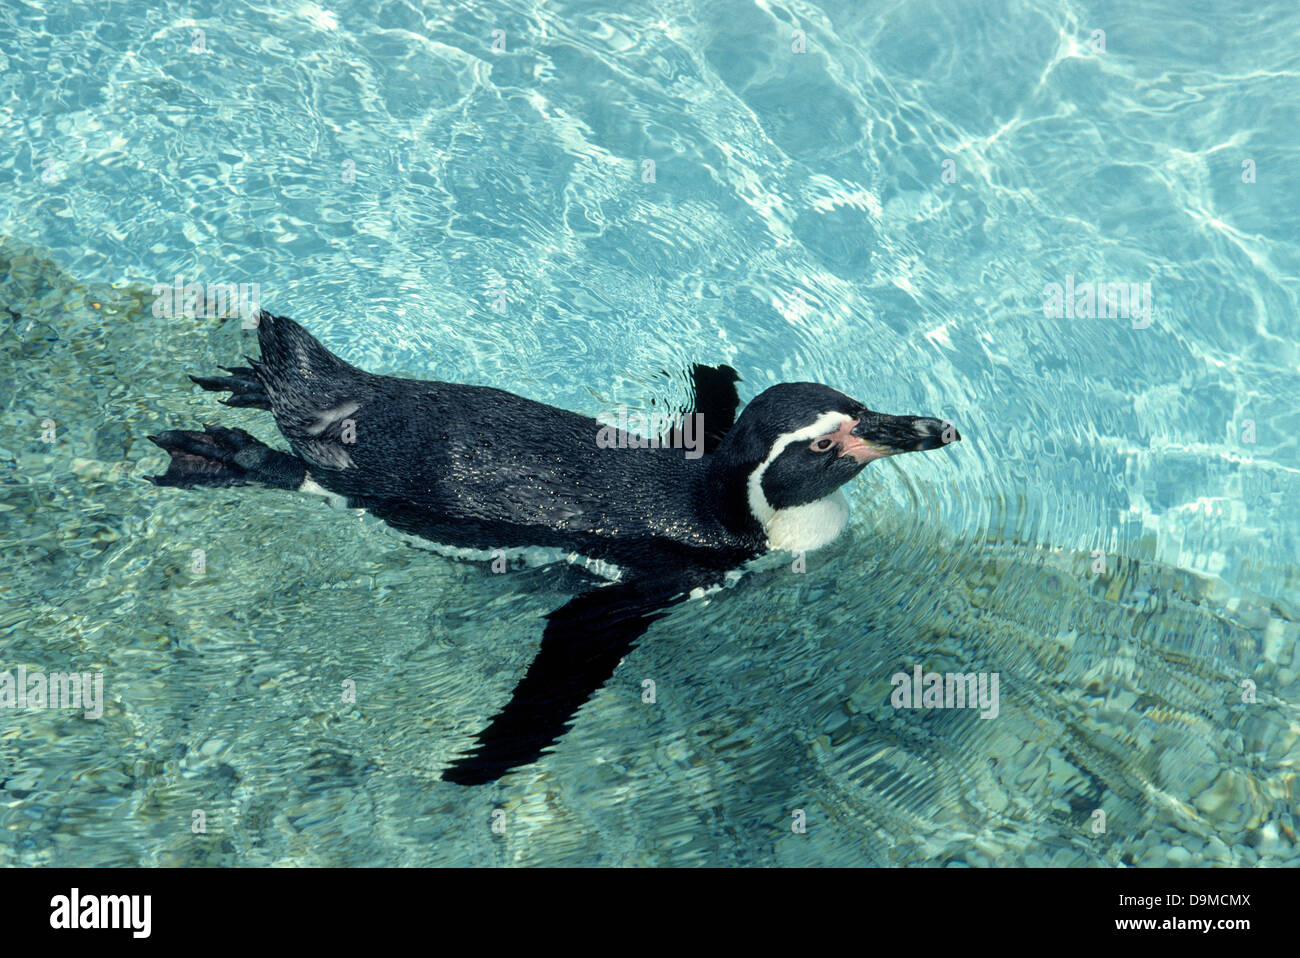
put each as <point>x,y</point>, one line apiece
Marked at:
<point>1116,537</point>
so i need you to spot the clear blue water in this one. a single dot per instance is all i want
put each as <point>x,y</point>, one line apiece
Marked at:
<point>802,223</point>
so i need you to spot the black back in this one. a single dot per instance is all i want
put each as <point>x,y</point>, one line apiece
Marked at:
<point>479,467</point>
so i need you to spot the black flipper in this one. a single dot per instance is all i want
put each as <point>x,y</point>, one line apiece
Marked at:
<point>225,457</point>
<point>715,399</point>
<point>243,385</point>
<point>583,643</point>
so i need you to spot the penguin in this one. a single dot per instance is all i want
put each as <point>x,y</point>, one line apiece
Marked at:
<point>477,468</point>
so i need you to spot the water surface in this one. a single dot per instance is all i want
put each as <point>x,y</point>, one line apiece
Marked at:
<point>1116,537</point>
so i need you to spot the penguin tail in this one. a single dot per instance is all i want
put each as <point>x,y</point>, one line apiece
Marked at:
<point>301,379</point>
<point>290,354</point>
<point>225,457</point>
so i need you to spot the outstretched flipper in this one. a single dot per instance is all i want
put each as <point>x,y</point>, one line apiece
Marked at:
<point>218,456</point>
<point>715,400</point>
<point>583,643</point>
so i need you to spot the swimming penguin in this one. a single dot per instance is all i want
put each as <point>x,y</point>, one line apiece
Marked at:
<point>478,468</point>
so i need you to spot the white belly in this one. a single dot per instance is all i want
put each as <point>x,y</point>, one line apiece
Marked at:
<point>526,557</point>
<point>807,527</point>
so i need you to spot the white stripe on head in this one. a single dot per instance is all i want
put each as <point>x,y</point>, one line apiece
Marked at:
<point>763,510</point>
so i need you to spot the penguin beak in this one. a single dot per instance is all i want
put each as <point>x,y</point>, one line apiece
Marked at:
<point>875,435</point>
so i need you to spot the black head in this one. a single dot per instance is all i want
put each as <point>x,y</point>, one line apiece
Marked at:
<point>797,443</point>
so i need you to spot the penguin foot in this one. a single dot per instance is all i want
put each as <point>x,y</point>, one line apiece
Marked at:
<point>218,456</point>
<point>243,385</point>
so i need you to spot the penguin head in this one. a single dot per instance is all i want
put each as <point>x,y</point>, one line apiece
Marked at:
<point>797,443</point>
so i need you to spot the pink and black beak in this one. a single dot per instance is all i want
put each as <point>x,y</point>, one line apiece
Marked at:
<point>874,435</point>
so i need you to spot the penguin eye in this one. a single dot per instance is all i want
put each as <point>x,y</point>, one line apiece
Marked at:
<point>823,444</point>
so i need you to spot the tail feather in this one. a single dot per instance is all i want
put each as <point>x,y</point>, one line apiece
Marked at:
<point>218,456</point>
<point>289,351</point>
<point>302,379</point>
